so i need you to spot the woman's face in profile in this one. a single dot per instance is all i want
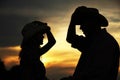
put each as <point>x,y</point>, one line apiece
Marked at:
<point>39,38</point>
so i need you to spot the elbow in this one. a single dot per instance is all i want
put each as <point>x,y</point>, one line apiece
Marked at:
<point>69,40</point>
<point>52,42</point>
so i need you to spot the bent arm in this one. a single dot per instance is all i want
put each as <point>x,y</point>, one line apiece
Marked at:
<point>71,32</point>
<point>51,42</point>
<point>71,35</point>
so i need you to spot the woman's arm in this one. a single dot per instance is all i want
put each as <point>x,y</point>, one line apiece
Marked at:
<point>51,41</point>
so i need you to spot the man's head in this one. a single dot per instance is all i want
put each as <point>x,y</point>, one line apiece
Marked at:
<point>89,19</point>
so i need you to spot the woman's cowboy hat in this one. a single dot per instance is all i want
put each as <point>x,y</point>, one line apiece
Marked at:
<point>32,28</point>
<point>83,14</point>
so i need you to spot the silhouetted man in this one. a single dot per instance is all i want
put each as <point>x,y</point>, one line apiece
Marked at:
<point>100,51</point>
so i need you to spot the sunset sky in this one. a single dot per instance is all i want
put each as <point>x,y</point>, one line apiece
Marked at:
<point>61,59</point>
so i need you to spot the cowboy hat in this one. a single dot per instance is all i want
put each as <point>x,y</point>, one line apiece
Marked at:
<point>32,28</point>
<point>84,14</point>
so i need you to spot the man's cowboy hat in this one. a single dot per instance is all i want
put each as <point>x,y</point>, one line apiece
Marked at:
<point>84,14</point>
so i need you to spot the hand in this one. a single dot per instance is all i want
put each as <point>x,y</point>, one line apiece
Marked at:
<point>45,29</point>
<point>75,18</point>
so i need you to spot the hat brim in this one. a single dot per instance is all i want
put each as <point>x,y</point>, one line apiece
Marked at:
<point>103,21</point>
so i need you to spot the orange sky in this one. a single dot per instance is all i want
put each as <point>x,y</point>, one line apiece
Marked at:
<point>61,59</point>
<point>61,56</point>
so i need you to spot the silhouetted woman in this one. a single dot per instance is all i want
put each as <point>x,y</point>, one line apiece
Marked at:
<point>100,51</point>
<point>3,71</point>
<point>31,66</point>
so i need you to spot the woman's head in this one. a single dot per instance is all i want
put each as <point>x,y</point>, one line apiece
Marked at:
<point>89,19</point>
<point>33,33</point>
<point>31,29</point>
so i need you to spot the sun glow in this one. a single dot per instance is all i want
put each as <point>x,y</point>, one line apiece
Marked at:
<point>47,61</point>
<point>16,48</point>
<point>11,61</point>
<point>119,69</point>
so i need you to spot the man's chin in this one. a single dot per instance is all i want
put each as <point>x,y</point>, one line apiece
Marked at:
<point>41,43</point>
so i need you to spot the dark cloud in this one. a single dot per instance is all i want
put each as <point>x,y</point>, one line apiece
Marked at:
<point>41,4</point>
<point>54,5</point>
<point>116,20</point>
<point>10,32</point>
<point>14,14</point>
<point>5,52</point>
